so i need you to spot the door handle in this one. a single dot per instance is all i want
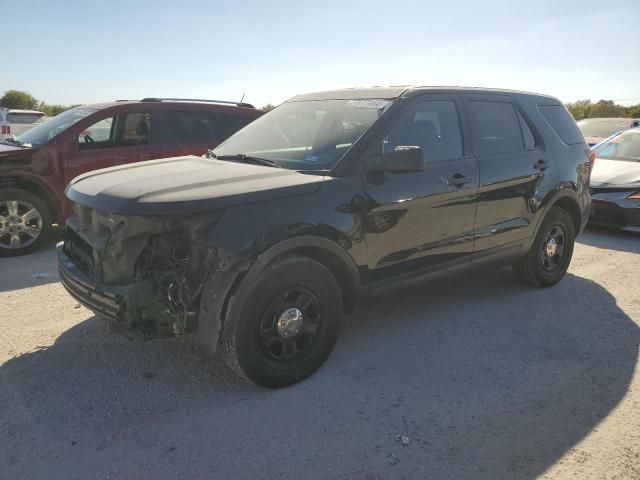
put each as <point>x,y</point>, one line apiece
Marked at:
<point>541,165</point>
<point>458,180</point>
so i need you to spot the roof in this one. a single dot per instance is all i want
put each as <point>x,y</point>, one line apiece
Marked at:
<point>173,102</point>
<point>404,90</point>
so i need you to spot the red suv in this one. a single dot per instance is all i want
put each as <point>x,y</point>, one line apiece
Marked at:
<point>36,166</point>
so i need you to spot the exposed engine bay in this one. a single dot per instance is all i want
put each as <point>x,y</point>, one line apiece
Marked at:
<point>145,274</point>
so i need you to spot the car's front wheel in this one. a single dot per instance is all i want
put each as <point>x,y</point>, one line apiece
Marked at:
<point>548,259</point>
<point>288,325</point>
<point>25,222</point>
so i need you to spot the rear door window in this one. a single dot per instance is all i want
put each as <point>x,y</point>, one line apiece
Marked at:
<point>495,126</point>
<point>562,123</point>
<point>187,126</point>
<point>229,124</point>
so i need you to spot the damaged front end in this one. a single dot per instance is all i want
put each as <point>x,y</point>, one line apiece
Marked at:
<point>141,274</point>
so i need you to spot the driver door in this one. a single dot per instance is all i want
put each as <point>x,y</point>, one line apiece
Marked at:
<point>110,141</point>
<point>423,220</point>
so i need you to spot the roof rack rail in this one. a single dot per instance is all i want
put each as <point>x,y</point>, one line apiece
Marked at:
<point>223,102</point>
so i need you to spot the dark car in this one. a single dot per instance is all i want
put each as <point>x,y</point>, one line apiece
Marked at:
<point>615,182</point>
<point>36,166</point>
<point>595,130</point>
<point>259,249</point>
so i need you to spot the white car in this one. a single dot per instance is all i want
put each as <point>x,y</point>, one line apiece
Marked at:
<point>14,122</point>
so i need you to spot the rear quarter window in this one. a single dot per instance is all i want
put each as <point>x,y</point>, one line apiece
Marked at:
<point>562,123</point>
<point>20,117</point>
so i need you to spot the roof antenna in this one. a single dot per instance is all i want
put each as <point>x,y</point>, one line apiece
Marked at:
<point>243,94</point>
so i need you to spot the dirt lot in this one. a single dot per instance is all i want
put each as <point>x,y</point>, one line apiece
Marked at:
<point>485,378</point>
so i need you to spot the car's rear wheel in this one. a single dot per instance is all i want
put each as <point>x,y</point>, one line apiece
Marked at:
<point>25,222</point>
<point>548,259</point>
<point>288,325</point>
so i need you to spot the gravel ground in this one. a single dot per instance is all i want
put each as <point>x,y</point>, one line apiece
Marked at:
<point>485,379</point>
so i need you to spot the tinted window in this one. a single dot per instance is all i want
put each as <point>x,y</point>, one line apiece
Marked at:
<point>229,124</point>
<point>495,126</point>
<point>527,134</point>
<point>22,117</point>
<point>432,125</point>
<point>193,126</point>
<point>562,123</point>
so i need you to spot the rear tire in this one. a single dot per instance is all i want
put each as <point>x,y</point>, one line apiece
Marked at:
<point>25,222</point>
<point>550,255</point>
<point>288,325</point>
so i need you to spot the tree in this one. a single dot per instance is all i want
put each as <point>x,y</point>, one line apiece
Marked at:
<point>633,111</point>
<point>18,99</point>
<point>268,107</point>
<point>53,110</point>
<point>579,109</point>
<point>606,108</point>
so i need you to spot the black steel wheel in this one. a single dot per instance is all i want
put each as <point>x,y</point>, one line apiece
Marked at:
<point>550,255</point>
<point>288,325</point>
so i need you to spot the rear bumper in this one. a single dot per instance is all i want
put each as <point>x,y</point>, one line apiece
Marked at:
<point>118,304</point>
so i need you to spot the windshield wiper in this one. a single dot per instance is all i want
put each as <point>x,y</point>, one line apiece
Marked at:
<point>241,157</point>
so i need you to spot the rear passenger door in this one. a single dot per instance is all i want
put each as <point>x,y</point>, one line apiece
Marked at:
<point>513,162</point>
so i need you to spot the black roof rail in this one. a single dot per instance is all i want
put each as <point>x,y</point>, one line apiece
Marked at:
<point>223,102</point>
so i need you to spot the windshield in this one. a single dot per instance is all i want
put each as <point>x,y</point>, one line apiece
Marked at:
<point>625,146</point>
<point>47,130</point>
<point>309,135</point>
<point>603,128</point>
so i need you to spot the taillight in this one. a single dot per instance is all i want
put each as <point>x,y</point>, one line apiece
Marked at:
<point>6,129</point>
<point>591,156</point>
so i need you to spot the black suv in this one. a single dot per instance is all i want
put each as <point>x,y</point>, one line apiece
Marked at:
<point>260,246</point>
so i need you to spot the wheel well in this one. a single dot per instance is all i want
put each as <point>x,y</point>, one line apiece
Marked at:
<point>571,207</point>
<point>33,187</point>
<point>338,269</point>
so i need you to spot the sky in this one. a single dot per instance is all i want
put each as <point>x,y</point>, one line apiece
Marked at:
<point>70,52</point>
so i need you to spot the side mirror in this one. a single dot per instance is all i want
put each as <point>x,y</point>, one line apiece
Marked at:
<point>402,159</point>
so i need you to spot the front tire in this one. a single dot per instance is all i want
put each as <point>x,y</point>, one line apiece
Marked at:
<point>288,325</point>
<point>550,255</point>
<point>25,222</point>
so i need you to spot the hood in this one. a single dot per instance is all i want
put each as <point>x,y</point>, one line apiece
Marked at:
<point>14,151</point>
<point>615,174</point>
<point>185,185</point>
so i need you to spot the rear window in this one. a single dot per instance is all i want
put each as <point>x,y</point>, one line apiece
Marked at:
<point>562,123</point>
<point>22,117</point>
<point>496,127</point>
